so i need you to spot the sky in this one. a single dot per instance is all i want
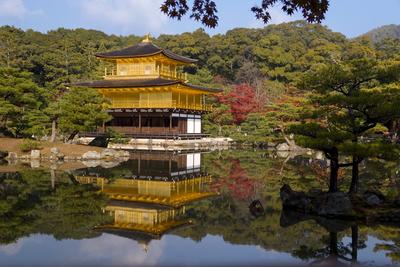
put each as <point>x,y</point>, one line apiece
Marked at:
<point>139,17</point>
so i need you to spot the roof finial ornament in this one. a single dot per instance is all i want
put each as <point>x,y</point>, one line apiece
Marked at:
<point>147,38</point>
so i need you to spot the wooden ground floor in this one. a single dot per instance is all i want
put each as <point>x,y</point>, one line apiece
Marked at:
<point>154,124</point>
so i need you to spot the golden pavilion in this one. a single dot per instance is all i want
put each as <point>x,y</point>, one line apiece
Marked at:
<point>153,199</point>
<point>149,93</point>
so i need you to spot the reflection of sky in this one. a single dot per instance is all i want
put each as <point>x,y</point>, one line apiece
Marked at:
<point>101,251</point>
<point>214,250</point>
<point>109,250</point>
<point>367,255</point>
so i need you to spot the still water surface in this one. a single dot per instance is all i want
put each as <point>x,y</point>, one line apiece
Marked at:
<point>184,209</point>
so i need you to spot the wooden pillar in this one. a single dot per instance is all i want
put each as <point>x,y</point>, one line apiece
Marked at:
<point>170,121</point>
<point>169,165</point>
<point>140,122</point>
<point>139,164</point>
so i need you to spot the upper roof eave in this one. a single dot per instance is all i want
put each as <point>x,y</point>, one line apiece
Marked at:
<point>146,49</point>
<point>132,83</point>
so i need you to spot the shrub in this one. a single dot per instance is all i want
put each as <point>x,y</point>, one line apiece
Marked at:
<point>116,137</point>
<point>29,144</point>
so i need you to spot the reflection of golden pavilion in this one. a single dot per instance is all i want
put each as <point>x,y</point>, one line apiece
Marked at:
<point>148,218</point>
<point>151,206</point>
<point>169,193</point>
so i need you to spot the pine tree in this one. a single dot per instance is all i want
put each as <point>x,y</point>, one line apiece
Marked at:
<point>81,110</point>
<point>20,102</point>
<point>350,98</point>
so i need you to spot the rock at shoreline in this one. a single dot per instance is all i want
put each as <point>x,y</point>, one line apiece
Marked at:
<point>3,154</point>
<point>327,204</point>
<point>370,205</point>
<point>293,199</point>
<point>373,198</point>
<point>35,164</point>
<point>283,147</point>
<point>91,155</point>
<point>56,154</point>
<point>55,150</point>
<point>12,156</point>
<point>111,153</point>
<point>106,154</point>
<point>122,154</point>
<point>334,204</point>
<point>35,154</point>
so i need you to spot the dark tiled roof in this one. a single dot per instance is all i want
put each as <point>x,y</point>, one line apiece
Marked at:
<point>123,83</point>
<point>131,83</point>
<point>144,49</point>
<point>138,205</point>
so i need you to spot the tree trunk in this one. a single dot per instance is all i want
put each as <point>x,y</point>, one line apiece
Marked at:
<point>53,178</point>
<point>72,136</point>
<point>334,157</point>
<point>354,175</point>
<point>53,131</point>
<point>333,185</point>
<point>354,244</point>
<point>333,247</point>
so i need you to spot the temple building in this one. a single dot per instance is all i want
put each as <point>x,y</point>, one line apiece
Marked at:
<point>152,195</point>
<point>149,93</point>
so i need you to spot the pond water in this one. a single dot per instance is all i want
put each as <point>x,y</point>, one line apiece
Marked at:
<point>185,209</point>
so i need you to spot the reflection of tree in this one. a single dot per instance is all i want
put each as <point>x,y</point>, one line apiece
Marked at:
<point>231,219</point>
<point>381,174</point>
<point>393,250</point>
<point>238,183</point>
<point>71,211</point>
<point>334,252</point>
<point>391,234</point>
<point>29,204</point>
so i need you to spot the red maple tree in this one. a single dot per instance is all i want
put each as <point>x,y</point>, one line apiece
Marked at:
<point>241,100</point>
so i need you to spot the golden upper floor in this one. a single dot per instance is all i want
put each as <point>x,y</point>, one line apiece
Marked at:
<point>145,61</point>
<point>145,68</point>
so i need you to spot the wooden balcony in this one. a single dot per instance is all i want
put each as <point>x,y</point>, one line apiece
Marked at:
<point>149,135</point>
<point>169,104</point>
<point>111,73</point>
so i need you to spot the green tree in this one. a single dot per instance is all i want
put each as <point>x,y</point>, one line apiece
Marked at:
<point>219,117</point>
<point>351,97</point>
<point>20,101</point>
<point>81,110</point>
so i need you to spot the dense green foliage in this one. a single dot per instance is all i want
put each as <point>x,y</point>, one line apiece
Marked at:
<point>377,35</point>
<point>269,60</point>
<point>81,110</point>
<point>28,144</point>
<point>20,100</point>
<point>350,97</point>
<point>29,204</point>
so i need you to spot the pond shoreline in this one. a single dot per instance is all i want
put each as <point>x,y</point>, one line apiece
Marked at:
<point>367,206</point>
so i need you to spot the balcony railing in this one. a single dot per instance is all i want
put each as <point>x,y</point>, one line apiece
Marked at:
<point>111,73</point>
<point>117,104</point>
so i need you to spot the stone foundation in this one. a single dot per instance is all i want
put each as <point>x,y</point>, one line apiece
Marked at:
<point>168,144</point>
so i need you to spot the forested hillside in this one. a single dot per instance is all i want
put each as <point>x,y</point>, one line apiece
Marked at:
<point>280,52</point>
<point>381,33</point>
<point>258,69</point>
